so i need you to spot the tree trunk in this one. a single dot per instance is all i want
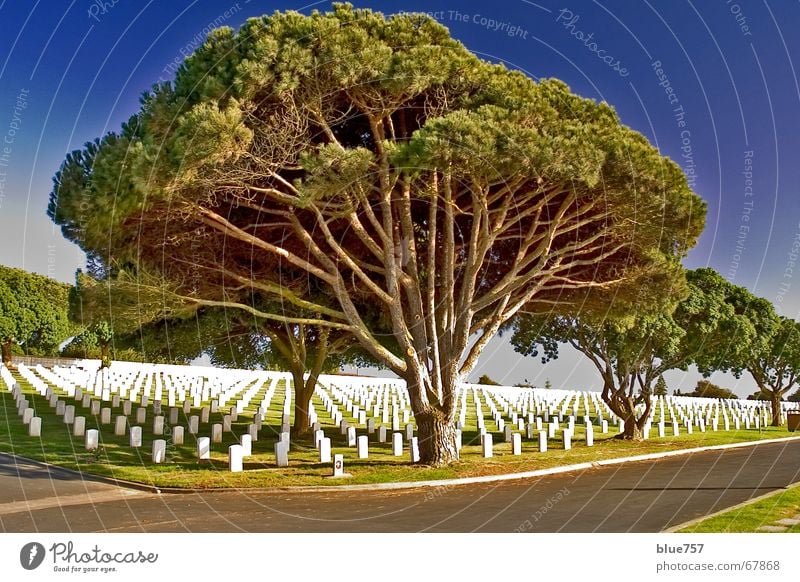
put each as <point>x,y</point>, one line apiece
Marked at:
<point>775,398</point>
<point>7,352</point>
<point>625,408</point>
<point>632,431</point>
<point>303,391</point>
<point>437,438</point>
<point>104,359</point>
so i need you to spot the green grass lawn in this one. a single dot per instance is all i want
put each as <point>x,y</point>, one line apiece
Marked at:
<point>182,469</point>
<point>747,519</point>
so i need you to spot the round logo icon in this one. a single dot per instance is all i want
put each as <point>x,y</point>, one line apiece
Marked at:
<point>31,555</point>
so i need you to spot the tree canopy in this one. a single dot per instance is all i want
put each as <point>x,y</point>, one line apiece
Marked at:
<point>714,326</point>
<point>33,313</point>
<point>775,366</point>
<point>371,175</point>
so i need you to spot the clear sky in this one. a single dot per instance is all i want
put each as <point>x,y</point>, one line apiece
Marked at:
<point>713,84</point>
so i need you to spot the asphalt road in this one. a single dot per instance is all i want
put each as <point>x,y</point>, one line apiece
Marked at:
<point>647,496</point>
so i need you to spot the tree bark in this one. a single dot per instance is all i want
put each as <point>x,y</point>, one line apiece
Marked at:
<point>625,408</point>
<point>304,390</point>
<point>104,359</point>
<point>7,352</point>
<point>775,398</point>
<point>437,438</point>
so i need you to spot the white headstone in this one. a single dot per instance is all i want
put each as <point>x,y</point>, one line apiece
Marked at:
<point>363,447</point>
<point>409,432</point>
<point>414,448</point>
<point>542,441</point>
<point>119,425</point>
<point>351,436</point>
<point>61,407</point>
<point>252,430</point>
<point>177,435</point>
<point>194,424</point>
<point>226,423</point>
<point>589,435</point>
<point>205,414</point>
<point>397,444</point>
<point>604,427</point>
<point>318,436</point>
<point>159,450</point>
<point>79,426</point>
<point>27,415</point>
<point>158,425</point>
<point>126,408</point>
<point>370,426</point>
<point>35,427</point>
<point>216,433</point>
<point>381,434</point>
<point>567,439</point>
<point>516,444</point>
<point>247,445</point>
<point>204,448</point>
<point>507,433</point>
<point>95,408</point>
<point>136,436</point>
<point>338,466</point>
<point>325,450</point>
<point>69,414</point>
<point>92,440</point>
<point>282,453</point>
<point>173,415</point>
<point>236,459</point>
<point>487,445</point>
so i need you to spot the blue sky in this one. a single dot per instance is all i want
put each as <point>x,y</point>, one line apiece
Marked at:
<point>712,84</point>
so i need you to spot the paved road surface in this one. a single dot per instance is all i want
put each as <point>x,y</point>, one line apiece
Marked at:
<point>637,497</point>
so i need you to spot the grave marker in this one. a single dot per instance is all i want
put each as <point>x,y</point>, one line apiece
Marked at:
<point>282,453</point>
<point>486,445</point>
<point>325,450</point>
<point>516,444</point>
<point>338,466</point>
<point>159,450</point>
<point>363,447</point>
<point>92,439</point>
<point>236,459</point>
<point>136,436</point>
<point>203,448</point>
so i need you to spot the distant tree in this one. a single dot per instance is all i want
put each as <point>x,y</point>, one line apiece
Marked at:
<point>706,389</point>
<point>713,326</point>
<point>794,397</point>
<point>759,395</point>
<point>776,366</point>
<point>548,384</point>
<point>33,313</point>
<point>487,381</point>
<point>661,387</point>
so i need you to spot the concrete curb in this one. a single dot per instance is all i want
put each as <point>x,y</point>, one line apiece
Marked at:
<point>691,522</point>
<point>409,484</point>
